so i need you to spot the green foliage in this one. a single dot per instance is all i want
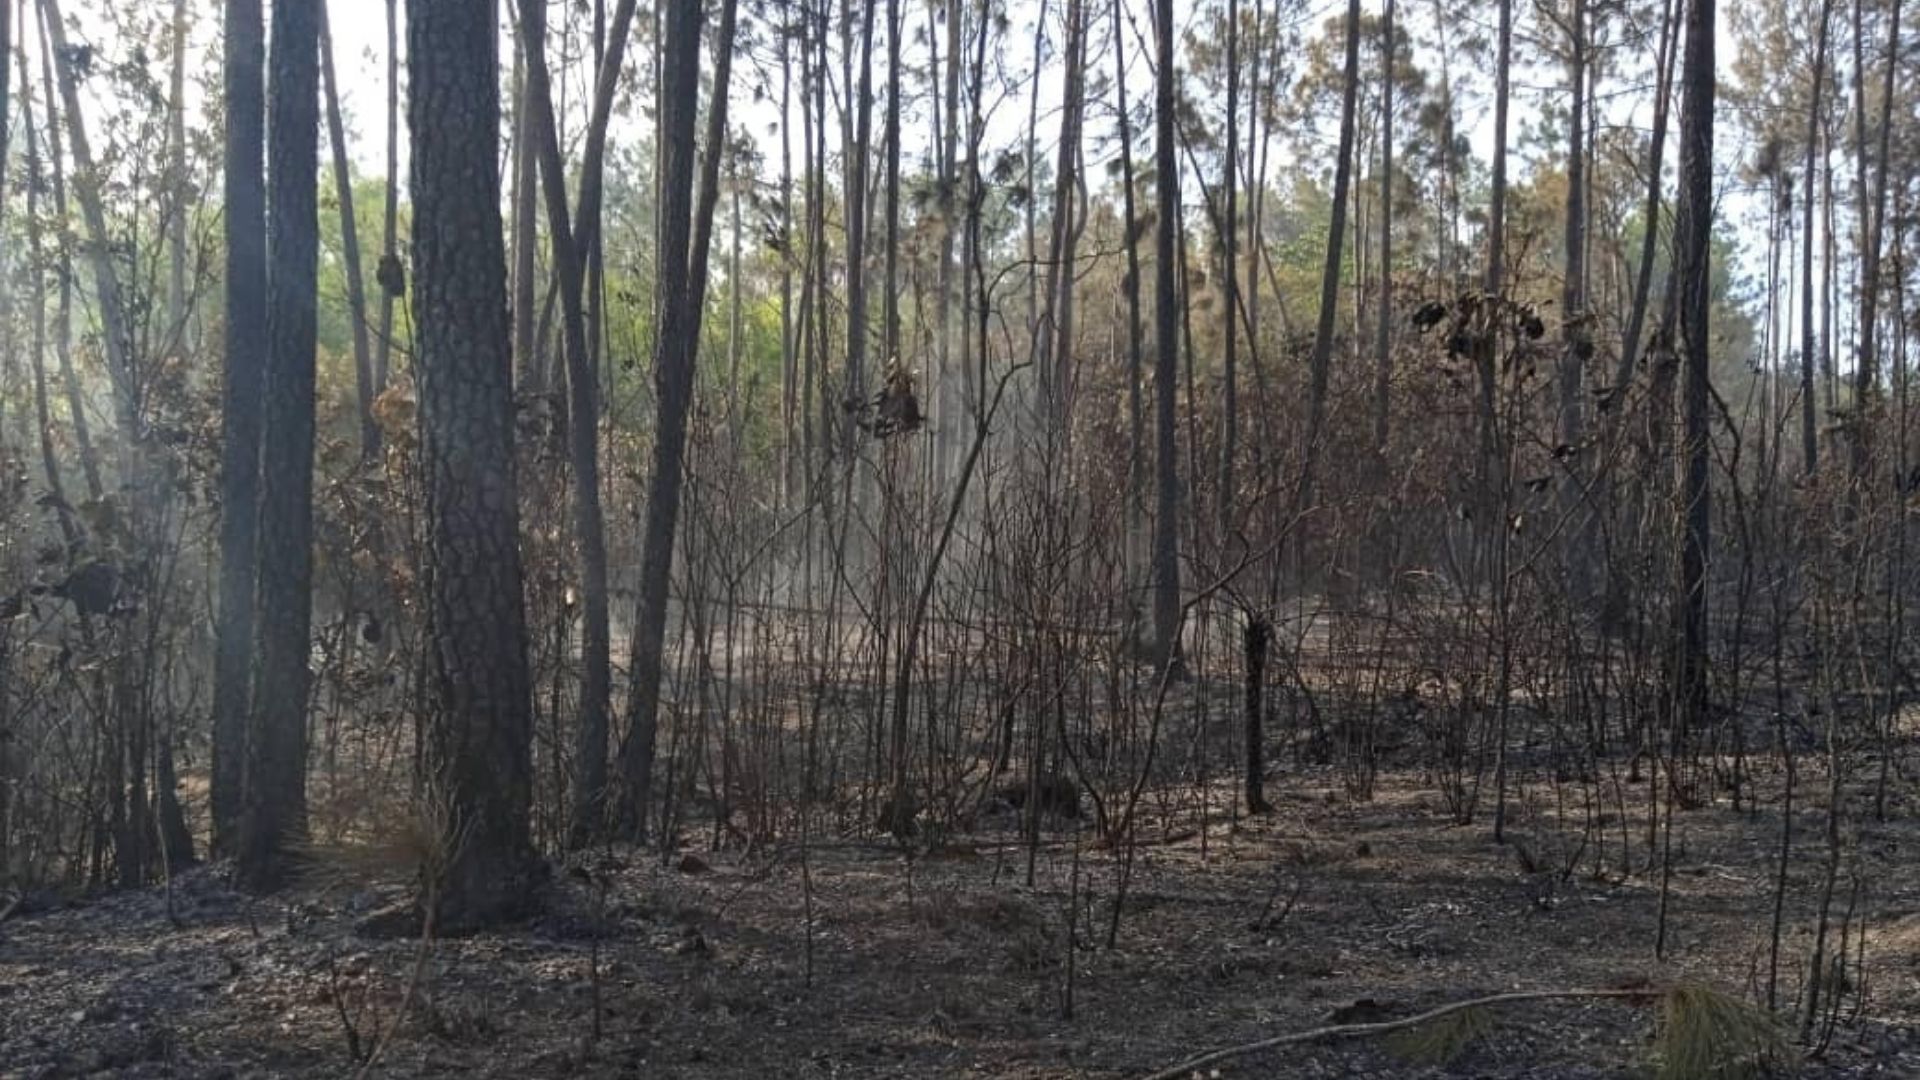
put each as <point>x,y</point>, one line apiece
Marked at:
<point>1440,1041</point>
<point>1706,1034</point>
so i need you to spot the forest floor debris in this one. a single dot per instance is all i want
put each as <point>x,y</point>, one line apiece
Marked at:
<point>949,964</point>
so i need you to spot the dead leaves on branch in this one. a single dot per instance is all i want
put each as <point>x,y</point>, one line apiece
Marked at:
<point>894,410</point>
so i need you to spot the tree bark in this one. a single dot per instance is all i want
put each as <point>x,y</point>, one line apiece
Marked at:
<point>1383,332</point>
<point>1130,284</point>
<point>1809,433</point>
<point>176,172</point>
<point>583,440</point>
<point>680,289</point>
<point>1057,327</point>
<point>530,370</point>
<point>275,814</point>
<point>6,134</point>
<point>99,246</point>
<point>1229,262</point>
<point>1256,637</point>
<point>1866,394</point>
<point>1630,346</point>
<point>364,389</point>
<point>245,362</point>
<point>1576,331</point>
<point>856,211</point>
<point>480,724</point>
<point>1322,359</point>
<point>1693,237</point>
<point>1496,272</point>
<point>1166,368</point>
<point>63,308</point>
<point>390,218</point>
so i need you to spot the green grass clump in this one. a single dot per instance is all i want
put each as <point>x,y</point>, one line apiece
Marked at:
<point>1705,1034</point>
<point>1440,1041</point>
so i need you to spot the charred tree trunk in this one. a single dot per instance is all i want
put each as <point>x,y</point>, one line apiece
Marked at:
<point>1383,331</point>
<point>364,389</point>
<point>1230,266</point>
<point>1867,396</point>
<point>1496,273</point>
<point>275,815</point>
<point>583,438</point>
<point>390,218</point>
<point>1136,412</point>
<point>1809,433</point>
<point>1693,238</point>
<point>245,358</point>
<point>480,724</point>
<point>1576,333</point>
<point>1256,638</point>
<point>1321,362</point>
<point>1166,368</point>
<point>1630,343</point>
<point>685,230</point>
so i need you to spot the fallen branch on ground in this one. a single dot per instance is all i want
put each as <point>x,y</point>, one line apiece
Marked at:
<point>1731,1041</point>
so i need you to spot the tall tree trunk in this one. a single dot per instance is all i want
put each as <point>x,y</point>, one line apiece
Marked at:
<point>1230,316</point>
<point>6,284</point>
<point>1259,146</point>
<point>129,725</point>
<point>1449,169</point>
<point>349,245</point>
<point>890,301</point>
<point>583,440</point>
<point>855,195</point>
<point>175,838</point>
<point>1383,335</point>
<point>1873,231</point>
<point>276,758</point>
<point>1056,328</point>
<point>480,726</point>
<point>586,221</point>
<point>900,810</point>
<point>1322,359</point>
<point>1489,466</point>
<point>43,412</point>
<point>87,188</point>
<point>390,217</point>
<point>176,173</point>
<point>1693,238</point>
<point>685,231</point>
<point>1130,285</point>
<point>1630,343</point>
<point>790,396</point>
<point>241,418</point>
<point>49,456</point>
<point>63,308</point>
<point>529,368</point>
<point>6,87</point>
<point>1577,331</point>
<point>945,414</point>
<point>1166,368</point>
<point>1809,434</point>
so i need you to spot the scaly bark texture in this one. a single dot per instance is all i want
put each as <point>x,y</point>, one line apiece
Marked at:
<point>245,210</point>
<point>1166,328</point>
<point>275,814</point>
<point>479,729</point>
<point>1693,229</point>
